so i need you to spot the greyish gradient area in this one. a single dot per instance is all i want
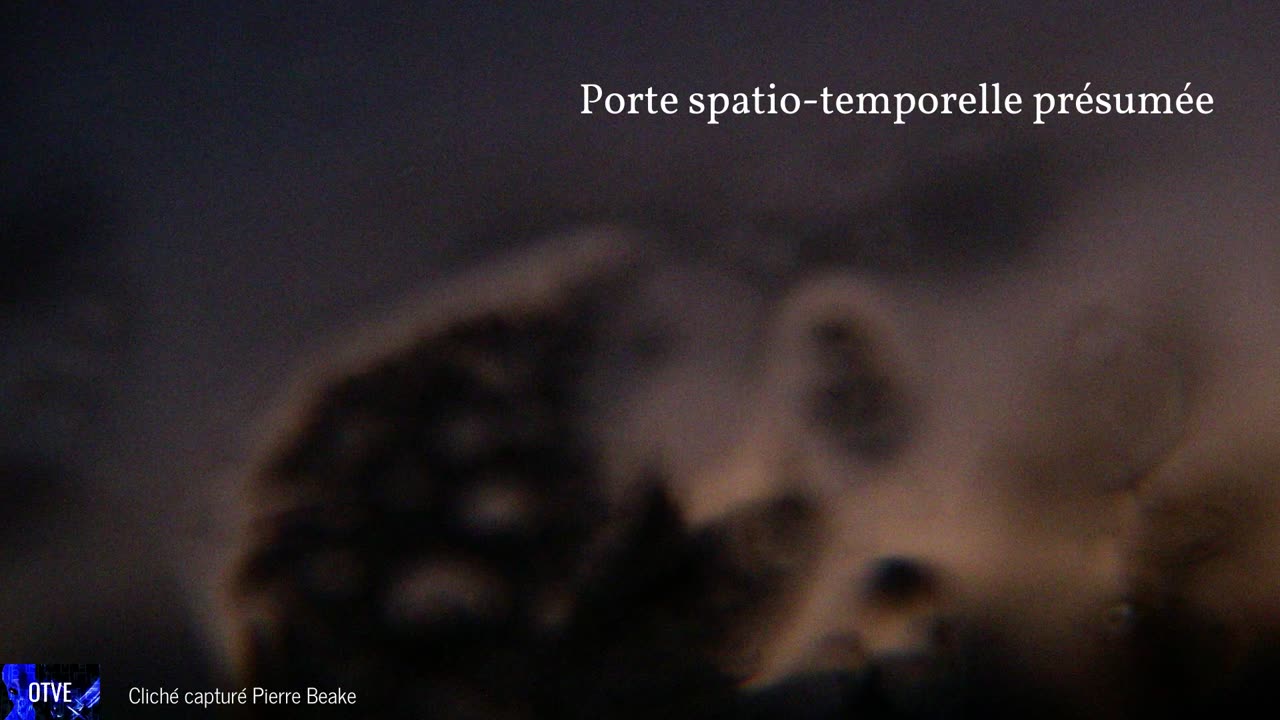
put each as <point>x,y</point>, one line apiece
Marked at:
<point>196,203</point>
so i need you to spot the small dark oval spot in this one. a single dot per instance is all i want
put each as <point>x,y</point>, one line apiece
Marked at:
<point>896,580</point>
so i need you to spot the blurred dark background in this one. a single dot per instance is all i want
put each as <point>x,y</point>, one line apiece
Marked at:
<point>194,197</point>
